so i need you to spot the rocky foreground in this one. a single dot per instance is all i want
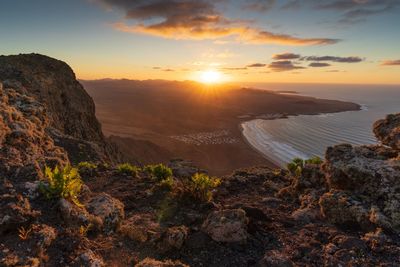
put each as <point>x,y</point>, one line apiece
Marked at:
<point>343,212</point>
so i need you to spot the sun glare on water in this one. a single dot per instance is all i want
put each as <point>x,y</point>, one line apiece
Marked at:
<point>210,76</point>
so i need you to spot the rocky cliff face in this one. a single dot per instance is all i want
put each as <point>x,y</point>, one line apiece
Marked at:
<point>70,111</point>
<point>25,146</point>
<point>53,83</point>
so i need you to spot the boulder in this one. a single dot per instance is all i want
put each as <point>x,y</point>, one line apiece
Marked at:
<point>228,225</point>
<point>388,130</point>
<point>110,210</point>
<point>141,228</point>
<point>173,238</point>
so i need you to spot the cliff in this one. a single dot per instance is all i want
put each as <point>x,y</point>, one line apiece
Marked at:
<point>70,110</point>
<point>343,211</point>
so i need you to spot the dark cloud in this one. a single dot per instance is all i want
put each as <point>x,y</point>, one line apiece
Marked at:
<point>391,63</point>
<point>286,56</point>
<point>283,65</point>
<point>259,5</point>
<point>319,64</point>
<point>350,11</point>
<point>196,19</point>
<point>334,59</point>
<point>256,65</point>
<point>232,69</point>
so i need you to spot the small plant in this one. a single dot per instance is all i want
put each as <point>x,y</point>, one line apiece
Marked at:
<point>200,187</point>
<point>86,167</point>
<point>24,233</point>
<point>313,160</point>
<point>167,183</point>
<point>128,169</point>
<point>296,166</point>
<point>62,183</point>
<point>159,171</point>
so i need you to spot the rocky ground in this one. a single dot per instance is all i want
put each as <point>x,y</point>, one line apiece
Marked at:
<point>343,212</point>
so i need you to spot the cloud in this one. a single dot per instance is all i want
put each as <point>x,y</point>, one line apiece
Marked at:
<point>256,65</point>
<point>334,59</point>
<point>230,69</point>
<point>319,64</point>
<point>284,65</point>
<point>163,69</point>
<point>285,56</point>
<point>259,5</point>
<point>196,20</point>
<point>391,62</point>
<point>350,11</point>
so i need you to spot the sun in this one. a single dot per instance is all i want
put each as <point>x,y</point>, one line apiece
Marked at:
<point>210,76</point>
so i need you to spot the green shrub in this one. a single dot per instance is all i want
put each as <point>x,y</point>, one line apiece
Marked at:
<point>128,169</point>
<point>200,187</point>
<point>87,165</point>
<point>313,160</point>
<point>87,168</point>
<point>159,171</point>
<point>296,166</point>
<point>62,183</point>
<point>167,183</point>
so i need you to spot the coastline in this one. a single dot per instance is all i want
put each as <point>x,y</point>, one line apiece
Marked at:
<point>271,162</point>
<point>279,150</point>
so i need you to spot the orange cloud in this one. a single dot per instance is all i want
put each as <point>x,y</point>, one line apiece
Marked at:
<point>391,63</point>
<point>197,20</point>
<point>242,33</point>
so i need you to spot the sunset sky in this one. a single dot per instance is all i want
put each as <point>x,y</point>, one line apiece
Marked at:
<point>311,41</point>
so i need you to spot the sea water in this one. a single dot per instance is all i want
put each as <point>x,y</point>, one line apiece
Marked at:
<point>305,136</point>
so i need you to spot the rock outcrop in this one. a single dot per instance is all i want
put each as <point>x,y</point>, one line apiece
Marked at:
<point>227,225</point>
<point>364,184</point>
<point>388,130</point>
<point>25,145</point>
<point>70,111</point>
<point>53,83</point>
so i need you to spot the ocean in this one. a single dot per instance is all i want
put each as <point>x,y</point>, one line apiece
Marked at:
<point>305,136</point>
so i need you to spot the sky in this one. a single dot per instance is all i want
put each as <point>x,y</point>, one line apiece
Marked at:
<point>288,41</point>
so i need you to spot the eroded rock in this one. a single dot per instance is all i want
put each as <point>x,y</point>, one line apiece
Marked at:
<point>110,210</point>
<point>227,225</point>
<point>388,130</point>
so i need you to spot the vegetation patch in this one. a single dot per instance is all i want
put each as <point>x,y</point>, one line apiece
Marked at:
<point>128,169</point>
<point>87,168</point>
<point>199,187</point>
<point>62,183</point>
<point>295,167</point>
<point>159,172</point>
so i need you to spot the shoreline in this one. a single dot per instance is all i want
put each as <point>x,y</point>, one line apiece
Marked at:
<point>271,162</point>
<point>282,116</point>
